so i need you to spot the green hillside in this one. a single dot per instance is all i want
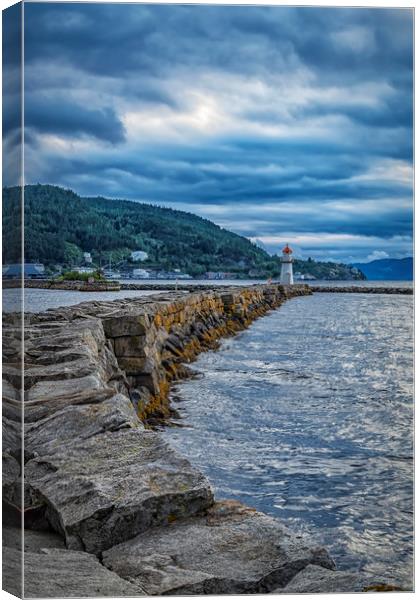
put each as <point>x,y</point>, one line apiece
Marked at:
<point>60,226</point>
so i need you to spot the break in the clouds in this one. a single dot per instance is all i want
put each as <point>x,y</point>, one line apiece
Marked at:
<point>282,124</point>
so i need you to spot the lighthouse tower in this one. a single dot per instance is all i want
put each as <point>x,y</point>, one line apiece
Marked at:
<point>287,266</point>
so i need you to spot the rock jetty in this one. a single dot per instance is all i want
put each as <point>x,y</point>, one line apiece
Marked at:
<point>361,289</point>
<point>66,285</point>
<point>110,509</point>
<point>107,286</point>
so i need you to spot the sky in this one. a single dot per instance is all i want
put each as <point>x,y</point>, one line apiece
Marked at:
<point>281,124</point>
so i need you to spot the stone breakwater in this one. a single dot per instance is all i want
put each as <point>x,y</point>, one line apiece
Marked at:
<point>360,289</point>
<point>348,289</point>
<point>109,507</point>
<point>108,286</point>
<point>78,286</point>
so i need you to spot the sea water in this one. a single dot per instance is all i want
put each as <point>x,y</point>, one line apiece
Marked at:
<point>308,416</point>
<point>38,300</point>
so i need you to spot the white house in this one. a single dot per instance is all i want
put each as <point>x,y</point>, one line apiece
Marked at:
<point>85,270</point>
<point>139,255</point>
<point>141,274</point>
<point>30,271</point>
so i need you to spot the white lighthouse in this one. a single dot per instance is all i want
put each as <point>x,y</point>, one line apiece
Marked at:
<point>286,275</point>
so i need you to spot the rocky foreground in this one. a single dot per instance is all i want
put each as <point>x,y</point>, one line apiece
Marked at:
<point>110,508</point>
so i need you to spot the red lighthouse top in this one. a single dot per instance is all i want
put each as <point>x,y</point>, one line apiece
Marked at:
<point>287,250</point>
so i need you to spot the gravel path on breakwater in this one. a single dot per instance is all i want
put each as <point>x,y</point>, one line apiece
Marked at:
<point>122,512</point>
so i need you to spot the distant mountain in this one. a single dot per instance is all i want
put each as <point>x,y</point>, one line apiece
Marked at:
<point>397,269</point>
<point>60,226</point>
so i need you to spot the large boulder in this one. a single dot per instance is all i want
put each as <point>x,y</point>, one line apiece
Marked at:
<point>81,421</point>
<point>106,488</point>
<point>50,571</point>
<point>56,573</point>
<point>52,433</point>
<point>66,364</point>
<point>231,549</point>
<point>317,580</point>
<point>33,541</point>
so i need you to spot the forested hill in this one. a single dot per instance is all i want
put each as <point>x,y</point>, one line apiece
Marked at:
<point>60,226</point>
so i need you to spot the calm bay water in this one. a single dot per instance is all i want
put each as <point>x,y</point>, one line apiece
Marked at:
<point>307,415</point>
<point>37,300</point>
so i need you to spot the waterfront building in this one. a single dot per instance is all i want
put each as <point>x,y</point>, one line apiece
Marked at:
<point>110,274</point>
<point>303,276</point>
<point>85,270</point>
<point>87,258</point>
<point>30,271</point>
<point>140,274</point>
<point>219,275</point>
<point>286,275</point>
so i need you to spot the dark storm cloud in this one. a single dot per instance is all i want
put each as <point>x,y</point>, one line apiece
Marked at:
<point>394,112</point>
<point>384,36</point>
<point>12,94</point>
<point>117,40</point>
<point>11,39</point>
<point>67,118</point>
<point>262,119</point>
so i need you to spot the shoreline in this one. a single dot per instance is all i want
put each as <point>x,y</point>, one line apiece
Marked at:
<point>109,286</point>
<point>97,377</point>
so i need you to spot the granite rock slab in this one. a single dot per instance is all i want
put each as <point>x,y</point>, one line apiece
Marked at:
<point>57,573</point>
<point>317,580</point>
<point>231,549</point>
<point>50,570</point>
<point>33,541</point>
<point>80,422</point>
<point>66,363</point>
<point>53,573</point>
<point>109,487</point>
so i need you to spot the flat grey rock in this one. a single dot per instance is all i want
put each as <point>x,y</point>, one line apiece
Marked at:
<point>123,323</point>
<point>11,435</point>
<point>82,421</point>
<point>66,364</point>
<point>33,540</point>
<point>11,402</point>
<point>12,541</point>
<point>232,549</point>
<point>53,433</point>
<point>11,481</point>
<point>12,572</point>
<point>317,580</point>
<point>46,397</point>
<point>109,487</point>
<point>52,573</point>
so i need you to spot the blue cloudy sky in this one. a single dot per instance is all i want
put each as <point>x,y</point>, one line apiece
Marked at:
<point>281,124</point>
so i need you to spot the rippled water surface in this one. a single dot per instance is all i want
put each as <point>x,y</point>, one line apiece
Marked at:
<point>307,415</point>
<point>38,300</point>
